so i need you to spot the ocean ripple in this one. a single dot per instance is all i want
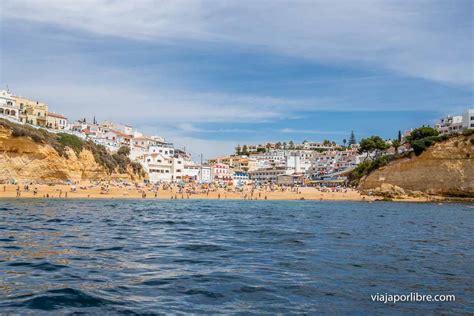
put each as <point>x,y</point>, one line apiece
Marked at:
<point>232,257</point>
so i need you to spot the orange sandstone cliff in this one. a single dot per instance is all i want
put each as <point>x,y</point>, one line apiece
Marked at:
<point>445,168</point>
<point>22,159</point>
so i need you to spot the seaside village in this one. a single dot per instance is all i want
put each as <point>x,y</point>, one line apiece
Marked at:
<point>310,163</point>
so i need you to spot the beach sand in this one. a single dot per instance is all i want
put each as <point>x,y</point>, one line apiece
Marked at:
<point>114,191</point>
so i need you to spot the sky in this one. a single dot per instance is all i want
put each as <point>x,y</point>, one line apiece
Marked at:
<point>208,75</point>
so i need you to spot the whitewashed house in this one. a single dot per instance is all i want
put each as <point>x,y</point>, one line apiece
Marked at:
<point>8,106</point>
<point>221,172</point>
<point>468,119</point>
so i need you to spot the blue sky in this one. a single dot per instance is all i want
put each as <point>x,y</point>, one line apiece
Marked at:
<point>208,75</point>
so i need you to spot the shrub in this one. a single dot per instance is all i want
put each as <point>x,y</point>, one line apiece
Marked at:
<point>422,132</point>
<point>124,151</point>
<point>18,132</point>
<point>37,138</point>
<point>468,132</point>
<point>61,141</point>
<point>367,166</point>
<point>71,141</point>
<point>421,145</point>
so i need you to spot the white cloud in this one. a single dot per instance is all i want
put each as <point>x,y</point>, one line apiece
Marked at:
<point>426,39</point>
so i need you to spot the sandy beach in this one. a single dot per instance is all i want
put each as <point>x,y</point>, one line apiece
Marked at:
<point>120,191</point>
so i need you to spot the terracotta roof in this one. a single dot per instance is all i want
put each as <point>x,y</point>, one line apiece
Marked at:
<point>56,115</point>
<point>120,134</point>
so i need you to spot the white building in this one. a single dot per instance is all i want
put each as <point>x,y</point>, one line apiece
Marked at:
<point>8,106</point>
<point>56,121</point>
<point>240,178</point>
<point>161,167</point>
<point>468,119</point>
<point>271,158</point>
<point>297,164</point>
<point>125,129</point>
<point>205,174</point>
<point>269,175</point>
<point>191,171</point>
<point>450,124</point>
<point>166,149</point>
<point>196,173</point>
<point>221,172</point>
<point>146,141</point>
<point>116,137</point>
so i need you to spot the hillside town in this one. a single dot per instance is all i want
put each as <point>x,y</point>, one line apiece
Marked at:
<point>310,163</point>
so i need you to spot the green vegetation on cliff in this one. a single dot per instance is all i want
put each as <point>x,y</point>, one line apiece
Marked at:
<point>112,162</point>
<point>419,140</point>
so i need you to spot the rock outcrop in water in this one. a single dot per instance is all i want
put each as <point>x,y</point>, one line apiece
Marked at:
<point>446,168</point>
<point>23,159</point>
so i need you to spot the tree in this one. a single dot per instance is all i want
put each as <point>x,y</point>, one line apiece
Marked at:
<point>238,149</point>
<point>245,149</point>
<point>326,142</point>
<point>400,136</point>
<point>373,144</point>
<point>352,139</point>
<point>278,145</point>
<point>344,141</point>
<point>291,144</point>
<point>124,151</point>
<point>396,144</point>
<point>421,132</point>
<point>268,146</point>
<point>285,145</point>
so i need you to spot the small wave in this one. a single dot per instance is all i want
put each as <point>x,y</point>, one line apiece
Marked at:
<point>60,298</point>
<point>9,239</point>
<point>202,247</point>
<point>155,282</point>
<point>55,220</point>
<point>252,289</point>
<point>205,293</point>
<point>45,266</point>
<point>110,249</point>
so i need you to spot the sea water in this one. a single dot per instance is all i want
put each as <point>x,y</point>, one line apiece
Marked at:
<point>247,257</point>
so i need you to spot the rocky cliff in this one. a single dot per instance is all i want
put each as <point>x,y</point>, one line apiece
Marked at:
<point>23,159</point>
<point>445,168</point>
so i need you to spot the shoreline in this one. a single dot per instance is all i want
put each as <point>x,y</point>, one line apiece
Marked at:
<point>120,192</point>
<point>441,200</point>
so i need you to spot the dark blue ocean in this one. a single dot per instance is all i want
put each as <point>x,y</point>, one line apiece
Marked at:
<point>233,257</point>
